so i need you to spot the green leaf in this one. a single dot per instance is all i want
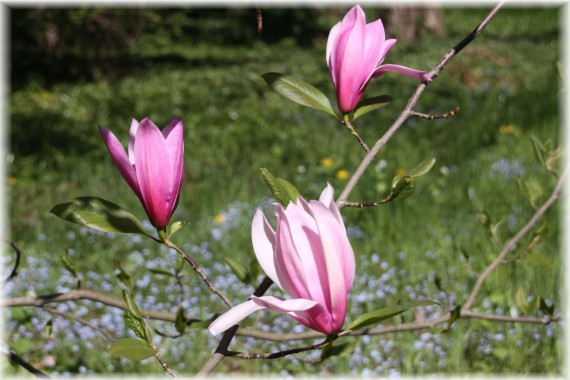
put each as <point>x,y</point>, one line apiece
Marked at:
<point>281,189</point>
<point>298,91</point>
<point>132,349</point>
<point>239,269</point>
<point>379,315</point>
<point>422,168</point>
<point>539,149</point>
<point>131,305</point>
<point>48,328</point>
<point>98,214</point>
<point>68,264</point>
<point>174,227</point>
<point>521,299</point>
<point>371,104</point>
<point>180,322</point>
<point>402,188</point>
<point>161,272</point>
<point>135,324</point>
<point>539,261</point>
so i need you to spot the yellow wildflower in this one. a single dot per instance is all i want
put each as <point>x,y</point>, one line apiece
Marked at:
<point>342,174</point>
<point>509,129</point>
<point>327,162</point>
<point>11,181</point>
<point>219,218</point>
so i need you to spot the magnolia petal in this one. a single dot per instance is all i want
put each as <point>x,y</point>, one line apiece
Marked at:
<point>389,44</point>
<point>132,135</point>
<point>331,42</point>
<point>373,50</point>
<point>421,75</point>
<point>284,306</point>
<point>263,239</point>
<point>119,156</point>
<point>154,172</point>
<point>174,136</point>
<point>232,317</point>
<point>347,55</point>
<point>307,244</point>
<point>339,257</point>
<point>288,264</point>
<point>327,198</point>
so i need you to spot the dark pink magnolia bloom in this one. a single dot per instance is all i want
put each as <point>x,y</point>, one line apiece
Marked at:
<point>154,166</point>
<point>355,51</point>
<point>309,257</point>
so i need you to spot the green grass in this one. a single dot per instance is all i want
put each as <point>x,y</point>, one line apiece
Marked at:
<point>235,125</point>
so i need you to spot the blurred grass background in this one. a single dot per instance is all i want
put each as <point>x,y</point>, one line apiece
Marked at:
<point>74,69</point>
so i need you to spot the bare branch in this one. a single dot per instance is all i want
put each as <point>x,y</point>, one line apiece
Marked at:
<point>446,115</point>
<point>406,113</point>
<point>80,320</point>
<point>14,272</point>
<point>197,269</point>
<point>22,363</point>
<point>511,244</point>
<point>349,126</point>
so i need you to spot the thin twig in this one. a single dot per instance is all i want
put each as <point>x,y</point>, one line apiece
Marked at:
<point>78,294</point>
<point>165,366</point>
<point>80,320</point>
<point>406,113</point>
<point>14,272</point>
<point>280,354</point>
<point>24,364</point>
<point>349,126</point>
<point>364,204</point>
<point>198,270</point>
<point>427,116</point>
<point>510,245</point>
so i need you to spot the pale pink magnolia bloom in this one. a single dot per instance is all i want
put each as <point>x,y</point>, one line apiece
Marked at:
<point>309,257</point>
<point>355,51</point>
<point>154,166</point>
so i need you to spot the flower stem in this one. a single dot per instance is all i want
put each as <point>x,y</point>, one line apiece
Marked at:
<point>348,125</point>
<point>195,267</point>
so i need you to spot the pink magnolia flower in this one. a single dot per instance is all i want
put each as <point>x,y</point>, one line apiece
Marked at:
<point>309,257</point>
<point>154,166</point>
<point>355,51</point>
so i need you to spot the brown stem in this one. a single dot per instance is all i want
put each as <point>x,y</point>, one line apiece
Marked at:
<point>349,126</point>
<point>197,269</point>
<point>446,115</point>
<point>406,113</point>
<point>510,245</point>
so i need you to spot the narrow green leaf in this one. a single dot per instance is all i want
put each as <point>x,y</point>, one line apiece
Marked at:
<point>422,168</point>
<point>161,272</point>
<point>282,190</point>
<point>174,227</point>
<point>239,269</point>
<point>539,149</point>
<point>98,214</point>
<point>48,328</point>
<point>132,349</point>
<point>180,322</point>
<point>135,324</point>
<point>371,104</point>
<point>298,91</point>
<point>539,261</point>
<point>385,313</point>
<point>521,299</point>
<point>68,264</point>
<point>402,188</point>
<point>131,305</point>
